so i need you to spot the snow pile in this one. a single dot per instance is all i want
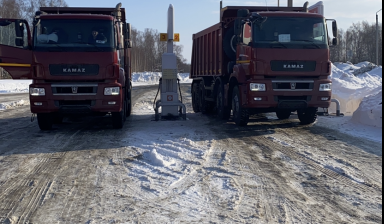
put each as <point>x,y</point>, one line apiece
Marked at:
<point>152,78</point>
<point>370,111</point>
<point>7,106</point>
<point>14,86</point>
<point>351,89</point>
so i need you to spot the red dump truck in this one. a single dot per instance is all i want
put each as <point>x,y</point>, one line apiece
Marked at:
<point>263,59</point>
<point>78,58</point>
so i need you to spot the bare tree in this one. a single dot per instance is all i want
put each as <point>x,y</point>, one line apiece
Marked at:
<point>358,44</point>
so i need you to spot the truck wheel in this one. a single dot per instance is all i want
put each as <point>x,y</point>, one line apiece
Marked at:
<point>129,103</point>
<point>58,119</point>
<point>283,114</point>
<point>308,116</point>
<point>229,43</point>
<point>240,114</point>
<point>223,112</point>
<point>195,98</point>
<point>203,105</point>
<point>45,121</point>
<point>118,118</point>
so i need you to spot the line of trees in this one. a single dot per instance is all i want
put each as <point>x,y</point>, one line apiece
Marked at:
<point>147,52</point>
<point>358,44</point>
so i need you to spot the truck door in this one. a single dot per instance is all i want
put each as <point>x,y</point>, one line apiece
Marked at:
<point>15,48</point>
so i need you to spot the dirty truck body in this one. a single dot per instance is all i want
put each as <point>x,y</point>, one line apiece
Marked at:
<point>78,59</point>
<point>256,60</point>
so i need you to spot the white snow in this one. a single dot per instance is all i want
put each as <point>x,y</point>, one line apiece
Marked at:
<point>7,106</point>
<point>14,86</point>
<point>370,111</point>
<point>152,78</point>
<point>350,86</point>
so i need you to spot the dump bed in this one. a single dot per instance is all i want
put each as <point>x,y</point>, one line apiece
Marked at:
<point>82,10</point>
<point>209,57</point>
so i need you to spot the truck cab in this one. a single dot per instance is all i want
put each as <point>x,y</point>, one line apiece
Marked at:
<point>78,59</point>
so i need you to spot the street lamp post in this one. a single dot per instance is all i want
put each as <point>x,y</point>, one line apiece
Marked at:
<point>377,37</point>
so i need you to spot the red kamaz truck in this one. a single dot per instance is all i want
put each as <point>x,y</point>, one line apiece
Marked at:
<point>263,59</point>
<point>78,58</point>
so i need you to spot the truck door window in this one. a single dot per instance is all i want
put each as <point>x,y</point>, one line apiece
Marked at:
<point>8,34</point>
<point>247,34</point>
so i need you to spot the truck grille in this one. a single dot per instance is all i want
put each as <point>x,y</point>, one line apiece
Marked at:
<point>292,85</point>
<point>75,103</point>
<point>293,98</point>
<point>74,89</point>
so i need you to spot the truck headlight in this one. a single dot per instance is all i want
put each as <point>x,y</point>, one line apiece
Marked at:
<point>326,87</point>
<point>112,91</point>
<point>258,87</point>
<point>37,91</point>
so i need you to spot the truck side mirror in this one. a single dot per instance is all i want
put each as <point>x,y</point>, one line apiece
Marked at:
<point>19,30</point>
<point>238,29</point>
<point>335,29</point>
<point>335,41</point>
<point>128,32</point>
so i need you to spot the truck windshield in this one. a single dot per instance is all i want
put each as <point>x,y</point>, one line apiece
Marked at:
<point>74,35</point>
<point>293,33</point>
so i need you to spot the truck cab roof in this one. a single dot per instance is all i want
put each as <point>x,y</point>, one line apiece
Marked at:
<point>76,16</point>
<point>81,11</point>
<point>290,14</point>
<point>231,11</point>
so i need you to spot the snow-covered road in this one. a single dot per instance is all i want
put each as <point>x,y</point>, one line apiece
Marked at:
<point>197,171</point>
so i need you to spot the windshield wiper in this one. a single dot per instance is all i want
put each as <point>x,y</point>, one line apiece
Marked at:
<point>56,48</point>
<point>280,45</point>
<point>94,45</point>
<point>309,41</point>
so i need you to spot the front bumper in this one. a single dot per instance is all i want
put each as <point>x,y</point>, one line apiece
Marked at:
<point>76,103</point>
<point>285,99</point>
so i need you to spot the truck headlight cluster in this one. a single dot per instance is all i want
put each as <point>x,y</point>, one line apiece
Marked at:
<point>258,87</point>
<point>112,91</point>
<point>326,87</point>
<point>37,91</point>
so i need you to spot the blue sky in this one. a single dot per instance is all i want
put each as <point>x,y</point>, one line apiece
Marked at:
<point>194,16</point>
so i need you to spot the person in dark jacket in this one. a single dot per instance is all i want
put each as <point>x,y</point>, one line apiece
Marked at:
<point>97,37</point>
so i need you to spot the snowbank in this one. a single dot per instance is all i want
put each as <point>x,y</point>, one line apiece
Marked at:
<point>152,78</point>
<point>14,86</point>
<point>370,111</point>
<point>350,89</point>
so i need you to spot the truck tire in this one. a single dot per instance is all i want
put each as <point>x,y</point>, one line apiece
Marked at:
<point>204,106</point>
<point>118,118</point>
<point>229,43</point>
<point>195,98</point>
<point>129,102</point>
<point>308,116</point>
<point>240,114</point>
<point>283,114</point>
<point>45,121</point>
<point>223,112</point>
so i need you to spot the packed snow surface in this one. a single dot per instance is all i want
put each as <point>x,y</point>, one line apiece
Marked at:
<point>14,86</point>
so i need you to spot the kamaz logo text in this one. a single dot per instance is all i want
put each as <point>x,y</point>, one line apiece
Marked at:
<point>74,70</point>
<point>294,66</point>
